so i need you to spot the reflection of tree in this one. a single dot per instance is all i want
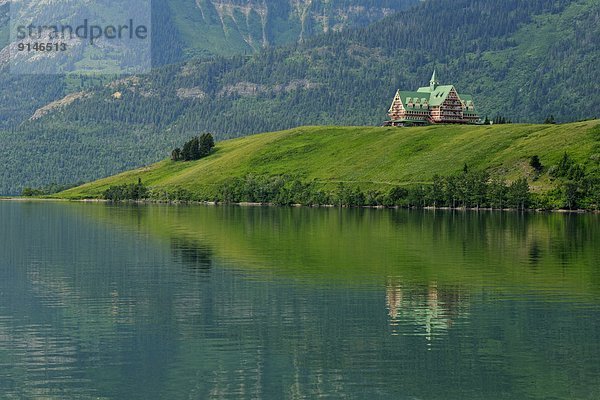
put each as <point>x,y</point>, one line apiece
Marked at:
<point>193,255</point>
<point>535,254</point>
<point>430,310</point>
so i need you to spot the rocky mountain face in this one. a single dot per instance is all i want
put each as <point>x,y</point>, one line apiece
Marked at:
<point>227,27</point>
<point>187,28</point>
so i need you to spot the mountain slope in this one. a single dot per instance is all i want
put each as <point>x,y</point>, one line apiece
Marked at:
<point>184,29</point>
<point>377,158</point>
<point>496,51</point>
<point>227,27</point>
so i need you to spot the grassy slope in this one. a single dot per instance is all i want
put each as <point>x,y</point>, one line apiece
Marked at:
<point>369,157</point>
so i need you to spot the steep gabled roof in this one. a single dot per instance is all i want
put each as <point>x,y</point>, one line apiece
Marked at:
<point>435,98</point>
<point>439,94</point>
<point>467,100</point>
<point>416,97</point>
<point>433,95</point>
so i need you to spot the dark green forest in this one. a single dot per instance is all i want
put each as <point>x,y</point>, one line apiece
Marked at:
<point>522,60</point>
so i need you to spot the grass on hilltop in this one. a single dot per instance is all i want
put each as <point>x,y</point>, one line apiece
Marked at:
<point>370,157</point>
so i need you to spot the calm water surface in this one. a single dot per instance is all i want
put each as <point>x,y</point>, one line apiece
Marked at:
<point>164,302</point>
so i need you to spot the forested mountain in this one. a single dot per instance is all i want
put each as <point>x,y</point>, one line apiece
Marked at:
<point>186,29</point>
<point>524,60</point>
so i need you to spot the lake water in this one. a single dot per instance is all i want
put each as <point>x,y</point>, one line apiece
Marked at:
<point>167,302</point>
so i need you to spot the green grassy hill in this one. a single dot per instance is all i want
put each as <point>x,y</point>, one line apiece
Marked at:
<point>371,158</point>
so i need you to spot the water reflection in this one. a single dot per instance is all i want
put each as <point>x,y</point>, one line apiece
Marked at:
<point>448,247</point>
<point>428,311</point>
<point>230,303</point>
<point>535,254</point>
<point>195,256</point>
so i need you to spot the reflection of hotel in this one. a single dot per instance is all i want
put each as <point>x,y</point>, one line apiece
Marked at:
<point>423,311</point>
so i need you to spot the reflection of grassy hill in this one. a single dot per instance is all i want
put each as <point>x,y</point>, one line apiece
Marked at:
<point>469,250</point>
<point>369,157</point>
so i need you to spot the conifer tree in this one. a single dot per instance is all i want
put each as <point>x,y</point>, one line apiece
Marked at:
<point>206,144</point>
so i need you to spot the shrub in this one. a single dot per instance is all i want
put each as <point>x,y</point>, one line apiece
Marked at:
<point>128,191</point>
<point>535,163</point>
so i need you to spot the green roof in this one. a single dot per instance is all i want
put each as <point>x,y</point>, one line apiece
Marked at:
<point>435,97</point>
<point>439,94</point>
<point>422,97</point>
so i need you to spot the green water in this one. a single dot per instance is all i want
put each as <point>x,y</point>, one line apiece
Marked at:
<point>165,302</point>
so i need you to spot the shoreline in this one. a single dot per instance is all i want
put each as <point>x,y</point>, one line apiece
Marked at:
<point>251,204</point>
